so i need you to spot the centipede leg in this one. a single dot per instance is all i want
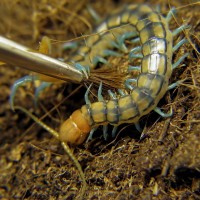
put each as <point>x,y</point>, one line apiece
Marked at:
<point>121,92</point>
<point>138,127</point>
<point>69,45</point>
<point>100,97</point>
<point>179,61</point>
<point>105,132</point>
<point>133,56</point>
<point>173,85</point>
<point>17,84</point>
<point>85,70</point>
<point>121,40</point>
<point>128,83</point>
<point>158,8</point>
<point>94,14</point>
<point>170,14</point>
<point>112,95</point>
<point>164,115</point>
<point>179,44</point>
<point>180,29</point>
<point>135,40</point>
<point>91,134</point>
<point>134,68</point>
<point>108,52</point>
<point>114,131</point>
<point>99,59</point>
<point>133,51</point>
<point>87,101</point>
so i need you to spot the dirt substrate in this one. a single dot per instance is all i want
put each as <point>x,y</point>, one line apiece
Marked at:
<point>164,164</point>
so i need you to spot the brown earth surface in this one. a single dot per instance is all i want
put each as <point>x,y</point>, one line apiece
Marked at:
<point>164,164</point>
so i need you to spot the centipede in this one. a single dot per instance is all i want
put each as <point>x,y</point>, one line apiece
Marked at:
<point>156,46</point>
<point>141,25</point>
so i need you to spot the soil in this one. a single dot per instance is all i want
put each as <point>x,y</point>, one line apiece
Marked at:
<point>163,164</point>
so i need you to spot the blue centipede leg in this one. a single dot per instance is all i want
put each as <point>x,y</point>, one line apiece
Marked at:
<point>173,85</point>
<point>134,68</point>
<point>108,52</point>
<point>98,59</point>
<point>128,83</point>
<point>135,40</point>
<point>164,115</point>
<point>133,54</point>
<point>179,61</point>
<point>138,127</point>
<point>121,39</point>
<point>105,132</point>
<point>158,9</point>
<point>114,44</point>
<point>179,44</point>
<point>114,131</point>
<point>136,49</point>
<point>180,29</point>
<point>112,95</point>
<point>84,69</point>
<point>170,14</point>
<point>18,84</point>
<point>39,90</point>
<point>69,45</point>
<point>121,92</point>
<point>143,134</point>
<point>91,134</point>
<point>119,43</point>
<point>87,101</point>
<point>94,14</point>
<point>100,97</point>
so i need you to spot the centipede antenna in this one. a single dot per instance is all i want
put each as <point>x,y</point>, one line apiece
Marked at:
<point>65,146</point>
<point>77,164</point>
<point>100,97</point>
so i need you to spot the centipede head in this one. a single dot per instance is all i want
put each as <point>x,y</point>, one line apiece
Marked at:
<point>75,129</point>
